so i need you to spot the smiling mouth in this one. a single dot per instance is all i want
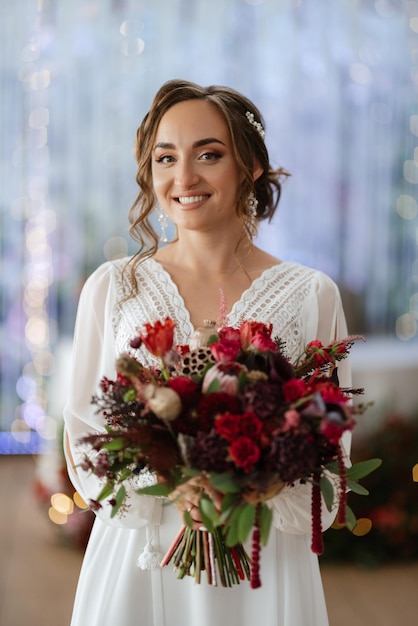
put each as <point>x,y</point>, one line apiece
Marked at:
<point>191,199</point>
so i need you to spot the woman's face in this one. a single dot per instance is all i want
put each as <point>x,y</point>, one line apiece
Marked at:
<point>195,174</point>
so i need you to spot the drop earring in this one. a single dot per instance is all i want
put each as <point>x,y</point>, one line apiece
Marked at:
<point>252,203</point>
<point>162,220</point>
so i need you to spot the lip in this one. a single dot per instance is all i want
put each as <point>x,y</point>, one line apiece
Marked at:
<point>188,200</point>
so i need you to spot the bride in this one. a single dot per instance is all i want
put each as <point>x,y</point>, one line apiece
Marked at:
<point>203,164</point>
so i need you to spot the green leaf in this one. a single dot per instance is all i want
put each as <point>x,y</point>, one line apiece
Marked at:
<point>245,521</point>
<point>115,444</point>
<point>265,517</point>
<point>327,490</point>
<point>160,489</point>
<point>124,474</point>
<point>106,491</point>
<point>224,483</point>
<point>232,538</point>
<point>357,488</point>
<point>351,519</point>
<point>188,519</point>
<point>120,497</point>
<point>229,502</point>
<point>214,387</point>
<point>363,468</point>
<point>207,508</point>
<point>130,395</point>
<point>206,519</point>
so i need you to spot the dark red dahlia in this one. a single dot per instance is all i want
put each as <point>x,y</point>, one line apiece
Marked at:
<point>214,404</point>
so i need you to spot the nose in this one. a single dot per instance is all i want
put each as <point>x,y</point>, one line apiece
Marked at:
<point>186,174</point>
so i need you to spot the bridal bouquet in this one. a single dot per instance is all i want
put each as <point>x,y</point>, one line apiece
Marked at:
<point>228,415</point>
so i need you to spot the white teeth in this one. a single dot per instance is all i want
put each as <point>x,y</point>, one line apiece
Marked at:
<point>191,199</point>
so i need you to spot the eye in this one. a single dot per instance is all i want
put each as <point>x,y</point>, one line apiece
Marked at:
<point>210,156</point>
<point>166,158</point>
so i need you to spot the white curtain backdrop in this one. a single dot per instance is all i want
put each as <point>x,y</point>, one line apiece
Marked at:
<point>337,83</point>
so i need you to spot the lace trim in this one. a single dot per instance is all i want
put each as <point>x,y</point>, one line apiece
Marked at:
<point>277,296</point>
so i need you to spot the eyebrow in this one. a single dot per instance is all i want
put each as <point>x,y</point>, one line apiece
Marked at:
<point>196,144</point>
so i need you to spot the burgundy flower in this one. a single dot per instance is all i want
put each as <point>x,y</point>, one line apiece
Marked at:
<point>185,387</point>
<point>228,426</point>
<point>294,389</point>
<point>210,453</point>
<point>245,453</point>
<point>231,426</point>
<point>214,404</point>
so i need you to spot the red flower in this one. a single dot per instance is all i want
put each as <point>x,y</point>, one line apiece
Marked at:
<point>332,431</point>
<point>225,350</point>
<point>214,404</point>
<point>231,426</point>
<point>229,333</point>
<point>256,334</point>
<point>245,453</point>
<point>185,387</point>
<point>294,389</point>
<point>317,349</point>
<point>263,343</point>
<point>227,426</point>
<point>331,393</point>
<point>159,338</point>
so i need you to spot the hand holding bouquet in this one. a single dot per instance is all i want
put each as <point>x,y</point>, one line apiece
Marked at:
<point>224,424</point>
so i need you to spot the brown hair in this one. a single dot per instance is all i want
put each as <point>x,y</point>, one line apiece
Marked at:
<point>247,143</point>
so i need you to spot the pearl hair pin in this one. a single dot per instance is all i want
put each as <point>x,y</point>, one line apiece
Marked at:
<point>258,127</point>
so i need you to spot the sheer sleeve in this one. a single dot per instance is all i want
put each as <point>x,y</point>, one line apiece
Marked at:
<point>323,319</point>
<point>93,357</point>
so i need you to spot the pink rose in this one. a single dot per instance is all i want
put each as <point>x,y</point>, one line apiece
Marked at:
<point>225,350</point>
<point>292,420</point>
<point>229,333</point>
<point>248,330</point>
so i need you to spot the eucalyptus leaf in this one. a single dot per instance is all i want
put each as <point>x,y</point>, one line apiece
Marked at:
<point>265,517</point>
<point>120,497</point>
<point>224,483</point>
<point>246,521</point>
<point>207,521</point>
<point>363,468</point>
<point>232,537</point>
<point>327,490</point>
<point>357,488</point>
<point>159,490</point>
<point>188,519</point>
<point>129,396</point>
<point>207,507</point>
<point>106,491</point>
<point>351,519</point>
<point>229,501</point>
<point>115,444</point>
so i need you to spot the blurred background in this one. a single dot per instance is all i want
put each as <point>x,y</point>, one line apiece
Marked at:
<point>337,83</point>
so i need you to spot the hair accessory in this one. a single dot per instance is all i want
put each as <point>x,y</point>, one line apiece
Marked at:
<point>257,125</point>
<point>162,220</point>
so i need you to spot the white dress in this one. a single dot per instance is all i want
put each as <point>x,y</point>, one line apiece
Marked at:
<point>303,304</point>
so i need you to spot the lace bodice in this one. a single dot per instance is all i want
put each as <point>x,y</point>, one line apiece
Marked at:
<point>277,297</point>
